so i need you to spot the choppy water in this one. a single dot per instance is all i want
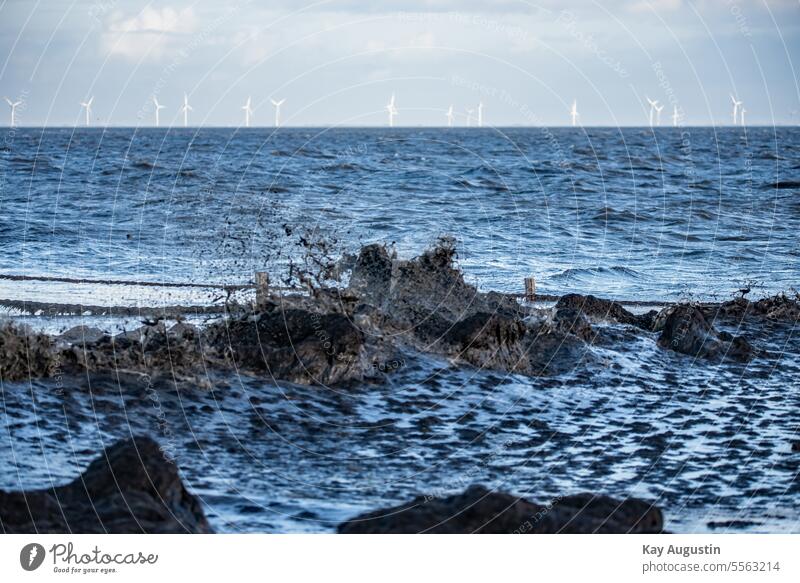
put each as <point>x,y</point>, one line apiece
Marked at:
<point>629,214</point>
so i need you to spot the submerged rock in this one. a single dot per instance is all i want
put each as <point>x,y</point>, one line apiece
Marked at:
<point>131,488</point>
<point>478,510</point>
<point>686,330</point>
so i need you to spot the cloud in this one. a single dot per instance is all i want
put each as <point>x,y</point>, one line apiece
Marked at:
<point>150,34</point>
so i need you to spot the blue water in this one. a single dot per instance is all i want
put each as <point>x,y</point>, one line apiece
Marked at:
<point>631,214</point>
<point>625,213</point>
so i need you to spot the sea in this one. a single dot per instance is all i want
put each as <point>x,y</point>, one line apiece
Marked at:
<point>163,217</point>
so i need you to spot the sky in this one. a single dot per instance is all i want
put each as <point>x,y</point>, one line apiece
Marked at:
<point>338,62</point>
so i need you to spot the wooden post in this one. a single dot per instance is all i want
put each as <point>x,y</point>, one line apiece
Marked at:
<point>262,287</point>
<point>530,289</point>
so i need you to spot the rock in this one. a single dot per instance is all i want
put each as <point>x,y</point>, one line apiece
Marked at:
<point>131,488</point>
<point>297,345</point>
<point>478,510</point>
<point>778,308</point>
<point>81,335</point>
<point>24,354</point>
<point>686,330</point>
<point>602,310</point>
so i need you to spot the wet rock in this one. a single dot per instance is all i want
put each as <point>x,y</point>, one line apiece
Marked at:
<point>478,510</point>
<point>24,354</point>
<point>297,345</point>
<point>572,321</point>
<point>130,488</point>
<point>778,308</point>
<point>81,335</point>
<point>603,310</point>
<point>686,330</point>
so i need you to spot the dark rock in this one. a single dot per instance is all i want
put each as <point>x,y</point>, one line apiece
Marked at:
<point>477,510</point>
<point>602,310</point>
<point>24,354</point>
<point>686,330</point>
<point>796,446</point>
<point>81,335</point>
<point>131,488</point>
<point>297,345</point>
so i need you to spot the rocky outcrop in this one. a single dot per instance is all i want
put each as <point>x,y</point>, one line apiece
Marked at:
<point>478,510</point>
<point>24,354</point>
<point>686,330</point>
<point>390,306</point>
<point>602,310</point>
<point>131,488</point>
<point>296,345</point>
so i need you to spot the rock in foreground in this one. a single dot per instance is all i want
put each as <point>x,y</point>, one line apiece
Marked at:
<point>478,510</point>
<point>131,488</point>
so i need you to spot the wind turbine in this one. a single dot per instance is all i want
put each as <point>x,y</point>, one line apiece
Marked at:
<point>736,104</point>
<point>88,106</point>
<point>480,114</point>
<point>574,113</point>
<point>449,115</point>
<point>158,107</point>
<point>741,113</point>
<point>277,105</point>
<point>653,105</point>
<point>392,110</point>
<point>674,116</point>
<point>186,108</point>
<point>469,116</point>
<point>13,105</point>
<point>658,114</point>
<point>248,111</point>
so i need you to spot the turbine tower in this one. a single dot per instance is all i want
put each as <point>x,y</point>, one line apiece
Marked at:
<point>449,115</point>
<point>248,111</point>
<point>469,116</point>
<point>277,105</point>
<point>392,110</point>
<point>658,114</point>
<point>653,105</point>
<point>87,105</point>
<point>741,113</point>
<point>186,108</point>
<point>674,116</point>
<point>158,107</point>
<point>13,105</point>
<point>736,104</point>
<point>574,113</point>
<point>480,114</point>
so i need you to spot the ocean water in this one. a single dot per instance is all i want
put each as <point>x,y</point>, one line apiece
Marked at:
<point>625,213</point>
<point>631,214</point>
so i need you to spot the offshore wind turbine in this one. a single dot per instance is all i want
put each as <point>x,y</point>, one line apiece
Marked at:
<point>653,104</point>
<point>277,105</point>
<point>674,116</point>
<point>158,107</point>
<point>391,110</point>
<point>480,114</point>
<point>248,111</point>
<point>88,106</point>
<point>449,115</point>
<point>741,113</point>
<point>736,104</point>
<point>469,116</point>
<point>13,105</point>
<point>658,114</point>
<point>574,113</point>
<point>186,108</point>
